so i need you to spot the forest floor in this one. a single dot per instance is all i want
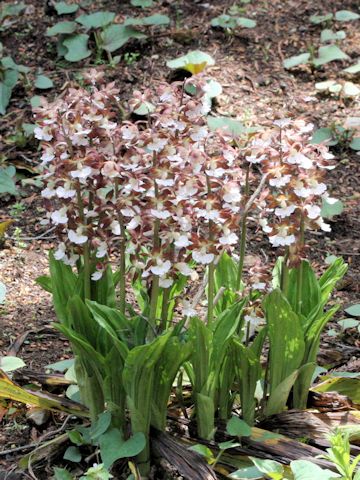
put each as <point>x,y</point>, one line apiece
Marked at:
<point>255,86</point>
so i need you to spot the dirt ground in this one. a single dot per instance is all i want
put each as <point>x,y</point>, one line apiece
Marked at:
<point>255,86</point>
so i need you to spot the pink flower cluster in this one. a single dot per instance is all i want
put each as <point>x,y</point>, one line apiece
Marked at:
<point>295,169</point>
<point>167,184</point>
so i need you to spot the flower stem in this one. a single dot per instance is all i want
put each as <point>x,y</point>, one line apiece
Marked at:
<point>165,308</point>
<point>86,249</point>
<point>300,267</point>
<point>122,248</point>
<point>155,290</point>
<point>284,280</point>
<point>243,229</point>
<point>211,293</point>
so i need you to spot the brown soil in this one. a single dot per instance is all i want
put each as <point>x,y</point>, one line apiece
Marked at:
<point>255,86</point>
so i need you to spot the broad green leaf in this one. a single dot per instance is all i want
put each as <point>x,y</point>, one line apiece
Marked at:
<point>353,69</point>
<point>43,82</point>
<point>96,20</point>
<point>77,47</point>
<point>224,21</point>
<point>279,396</point>
<point>72,454</point>
<point>346,323</point>
<point>324,85</point>
<point>156,19</point>
<point>61,28</point>
<point>8,63</point>
<point>63,8</point>
<point>228,444</point>
<point>323,135</point>
<point>11,10</point>
<point>354,310</point>
<point>286,350</point>
<point>142,3</point>
<point>321,18</point>
<point>202,450</point>
<point>144,109</point>
<point>329,210</point>
<point>250,473</point>
<point>61,366</point>
<point>329,53</point>
<point>355,143</point>
<point>268,467</point>
<point>7,184</point>
<point>346,16</point>
<point>238,428</point>
<point>245,22</point>
<point>232,126</point>
<point>194,62</point>
<point>62,474</point>
<point>100,426</point>
<point>9,363</point>
<point>35,101</point>
<point>45,283</point>
<point>306,470</point>
<point>296,60</point>
<point>115,36</point>
<point>329,35</point>
<point>342,385</point>
<point>113,446</point>
<point>2,292</point>
<point>351,90</point>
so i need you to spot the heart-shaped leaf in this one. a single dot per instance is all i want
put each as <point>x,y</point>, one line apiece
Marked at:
<point>321,18</point>
<point>329,210</point>
<point>115,36</point>
<point>224,21</point>
<point>96,20</point>
<point>63,28</point>
<point>9,363</point>
<point>296,60</point>
<point>194,62</point>
<point>113,446</point>
<point>328,35</point>
<point>245,22</point>
<point>354,310</point>
<point>346,15</point>
<point>329,53</point>
<point>63,8</point>
<point>238,428</point>
<point>43,82</point>
<point>353,69</point>
<point>77,47</point>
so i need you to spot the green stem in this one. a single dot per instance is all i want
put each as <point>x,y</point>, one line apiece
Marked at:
<point>122,248</point>
<point>86,249</point>
<point>165,308</point>
<point>243,229</point>
<point>284,281</point>
<point>155,290</point>
<point>211,292</point>
<point>300,267</point>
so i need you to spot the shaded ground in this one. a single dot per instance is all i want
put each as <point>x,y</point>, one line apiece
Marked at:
<point>255,87</point>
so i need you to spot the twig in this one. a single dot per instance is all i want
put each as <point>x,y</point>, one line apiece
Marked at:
<point>38,237</point>
<point>254,196</point>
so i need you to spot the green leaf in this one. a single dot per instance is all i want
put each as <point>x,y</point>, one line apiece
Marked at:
<point>61,28</point>
<point>251,473</point>
<point>323,135</point>
<point>8,63</point>
<point>62,474</point>
<point>245,22</point>
<point>343,385</point>
<point>202,450</point>
<point>329,53</point>
<point>355,143</point>
<point>305,470</point>
<point>156,19</point>
<point>321,18</point>
<point>72,454</point>
<point>194,62</point>
<point>35,101</point>
<point>268,467</point>
<point>96,20</point>
<point>228,444</point>
<point>9,363</point>
<point>100,426</point>
<point>296,60</point>
<point>142,3</point>
<point>77,47</point>
<point>113,446</point>
<point>224,21</point>
<point>329,210</point>
<point>63,8</point>
<point>43,82</point>
<point>354,310</point>
<point>7,184</point>
<point>2,292</point>
<point>279,396</point>
<point>234,127</point>
<point>115,36</point>
<point>144,109</point>
<point>11,10</point>
<point>353,69</point>
<point>329,35</point>
<point>346,16</point>
<point>346,323</point>
<point>238,428</point>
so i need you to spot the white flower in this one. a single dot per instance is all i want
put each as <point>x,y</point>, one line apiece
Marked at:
<point>77,237</point>
<point>115,227</point>
<point>48,193</point>
<point>200,256</point>
<point>101,250</point>
<point>259,286</point>
<point>216,172</point>
<point>65,192</point>
<point>165,182</point>
<point>42,133</point>
<point>59,217</point>
<point>71,260</point>
<point>285,212</point>
<point>232,194</point>
<point>47,156</point>
<point>229,238</point>
<point>81,173</point>
<point>134,223</point>
<point>280,181</point>
<point>185,270</point>
<point>129,132</point>
<point>301,160</point>
<point>313,211</point>
<point>325,227</point>
<point>255,158</point>
<point>282,240</point>
<point>198,133</point>
<point>165,282</point>
<point>283,122</point>
<point>182,241</point>
<point>97,275</point>
<point>161,214</point>
<point>188,310</point>
<point>264,225</point>
<point>161,267</point>
<point>60,252</point>
<point>157,144</point>
<point>252,322</point>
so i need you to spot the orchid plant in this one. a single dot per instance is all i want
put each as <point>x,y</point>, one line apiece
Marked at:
<point>160,206</point>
